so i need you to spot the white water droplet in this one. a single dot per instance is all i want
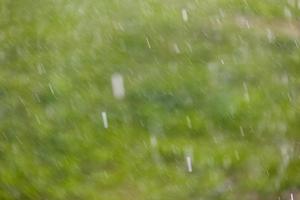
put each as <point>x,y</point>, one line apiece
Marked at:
<point>184,14</point>
<point>270,35</point>
<point>285,79</point>
<point>246,92</point>
<point>148,43</point>
<point>295,41</point>
<point>221,12</point>
<point>189,163</point>
<point>287,12</point>
<point>153,141</point>
<point>51,88</point>
<point>188,121</point>
<point>37,119</point>
<point>237,155</point>
<point>189,46</point>
<point>242,131</point>
<point>118,86</point>
<point>41,69</point>
<point>104,118</point>
<point>176,48</point>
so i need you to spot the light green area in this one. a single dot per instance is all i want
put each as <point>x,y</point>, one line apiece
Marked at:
<point>232,70</point>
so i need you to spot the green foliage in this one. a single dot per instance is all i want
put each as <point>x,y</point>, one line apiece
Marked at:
<point>222,86</point>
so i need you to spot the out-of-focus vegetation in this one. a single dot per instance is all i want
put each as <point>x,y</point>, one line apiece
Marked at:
<point>218,80</point>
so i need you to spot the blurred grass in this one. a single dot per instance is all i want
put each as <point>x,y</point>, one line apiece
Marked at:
<point>232,70</point>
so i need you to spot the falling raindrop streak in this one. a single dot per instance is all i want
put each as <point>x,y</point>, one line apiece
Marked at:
<point>242,131</point>
<point>104,118</point>
<point>189,163</point>
<point>148,43</point>
<point>118,86</point>
<point>188,121</point>
<point>51,88</point>
<point>176,48</point>
<point>184,14</point>
<point>246,92</point>
<point>153,141</point>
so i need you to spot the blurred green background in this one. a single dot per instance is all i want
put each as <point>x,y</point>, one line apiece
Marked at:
<point>215,80</point>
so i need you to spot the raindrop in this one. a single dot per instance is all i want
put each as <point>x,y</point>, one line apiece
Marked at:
<point>221,12</point>
<point>51,88</point>
<point>189,46</point>
<point>184,14</point>
<point>189,163</point>
<point>118,86</point>
<point>287,12</point>
<point>247,24</point>
<point>148,43</point>
<point>153,141</point>
<point>37,119</point>
<point>176,48</point>
<point>104,118</point>
<point>270,35</point>
<point>237,155</point>
<point>246,92</point>
<point>188,121</point>
<point>242,131</point>
<point>295,41</point>
<point>41,69</point>
<point>285,79</point>
<point>119,26</point>
<point>243,22</point>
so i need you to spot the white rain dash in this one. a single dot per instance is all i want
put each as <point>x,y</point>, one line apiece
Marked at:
<point>292,196</point>
<point>118,86</point>
<point>51,88</point>
<point>188,121</point>
<point>148,43</point>
<point>104,118</point>
<point>176,48</point>
<point>270,35</point>
<point>153,141</point>
<point>242,131</point>
<point>246,92</point>
<point>184,14</point>
<point>189,163</point>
